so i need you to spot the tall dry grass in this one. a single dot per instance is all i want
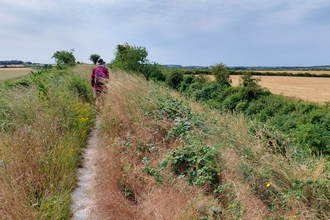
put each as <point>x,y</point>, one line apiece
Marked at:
<point>41,139</point>
<point>256,180</point>
<point>128,135</point>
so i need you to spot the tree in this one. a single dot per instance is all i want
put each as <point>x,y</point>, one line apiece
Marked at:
<point>134,59</point>
<point>94,58</point>
<point>221,73</point>
<point>246,80</point>
<point>64,58</point>
<point>174,79</point>
<point>130,58</point>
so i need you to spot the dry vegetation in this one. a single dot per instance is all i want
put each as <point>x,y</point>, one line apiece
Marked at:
<point>317,72</point>
<point>311,89</point>
<point>39,157</point>
<point>42,132</point>
<point>13,73</point>
<point>249,173</point>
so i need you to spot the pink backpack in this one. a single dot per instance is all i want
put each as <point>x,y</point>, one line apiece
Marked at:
<point>99,75</point>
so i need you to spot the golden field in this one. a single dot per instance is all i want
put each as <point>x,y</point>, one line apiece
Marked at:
<point>316,72</point>
<point>313,89</point>
<point>13,73</point>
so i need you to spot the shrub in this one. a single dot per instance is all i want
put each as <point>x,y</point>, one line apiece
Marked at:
<point>197,162</point>
<point>187,81</point>
<point>80,86</point>
<point>210,91</point>
<point>130,58</point>
<point>221,73</point>
<point>152,71</point>
<point>174,79</point>
<point>64,58</point>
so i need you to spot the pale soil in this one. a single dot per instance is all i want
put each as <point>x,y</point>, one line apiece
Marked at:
<point>306,88</point>
<point>83,196</point>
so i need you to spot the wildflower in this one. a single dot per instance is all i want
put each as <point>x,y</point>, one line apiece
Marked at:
<point>268,185</point>
<point>71,151</point>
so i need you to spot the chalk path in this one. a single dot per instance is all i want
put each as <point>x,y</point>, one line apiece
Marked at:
<point>82,196</point>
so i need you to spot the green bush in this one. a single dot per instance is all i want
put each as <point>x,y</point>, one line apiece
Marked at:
<point>187,81</point>
<point>174,79</point>
<point>64,59</point>
<point>80,86</point>
<point>221,73</point>
<point>130,58</point>
<point>210,91</point>
<point>153,71</point>
<point>196,162</point>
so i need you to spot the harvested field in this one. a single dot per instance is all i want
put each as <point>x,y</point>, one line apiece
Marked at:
<point>306,88</point>
<point>13,73</point>
<point>316,72</point>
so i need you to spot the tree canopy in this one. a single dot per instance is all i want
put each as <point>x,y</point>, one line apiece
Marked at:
<point>130,58</point>
<point>64,58</point>
<point>94,57</point>
<point>221,73</point>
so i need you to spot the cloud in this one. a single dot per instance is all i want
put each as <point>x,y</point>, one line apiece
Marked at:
<point>201,32</point>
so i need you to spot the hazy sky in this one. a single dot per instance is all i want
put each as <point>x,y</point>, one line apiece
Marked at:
<point>186,32</point>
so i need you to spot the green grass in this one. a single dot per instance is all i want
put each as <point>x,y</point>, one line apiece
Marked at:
<point>43,128</point>
<point>168,156</point>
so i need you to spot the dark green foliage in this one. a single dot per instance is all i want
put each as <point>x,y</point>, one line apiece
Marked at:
<point>194,160</point>
<point>152,71</point>
<point>174,79</point>
<point>39,79</point>
<point>134,59</point>
<point>307,125</point>
<point>221,73</point>
<point>129,58</point>
<point>24,81</point>
<point>64,58</point>
<point>187,81</point>
<point>197,84</point>
<point>239,98</point>
<point>210,91</point>
<point>230,102</point>
<point>197,162</point>
<point>172,109</point>
<point>79,85</point>
<point>94,58</point>
<point>247,80</point>
<point>5,114</point>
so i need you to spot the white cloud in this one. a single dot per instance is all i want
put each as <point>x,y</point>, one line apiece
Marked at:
<point>199,32</point>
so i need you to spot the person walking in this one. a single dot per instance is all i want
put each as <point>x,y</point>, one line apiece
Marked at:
<point>99,77</point>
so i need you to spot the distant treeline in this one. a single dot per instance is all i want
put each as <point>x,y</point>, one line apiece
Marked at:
<point>11,62</point>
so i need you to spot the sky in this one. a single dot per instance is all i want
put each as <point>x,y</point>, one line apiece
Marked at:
<point>183,32</point>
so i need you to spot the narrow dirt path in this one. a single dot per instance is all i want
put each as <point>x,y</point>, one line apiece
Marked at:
<point>83,197</point>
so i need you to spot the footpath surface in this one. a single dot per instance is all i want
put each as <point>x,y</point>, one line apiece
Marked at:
<point>83,197</point>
